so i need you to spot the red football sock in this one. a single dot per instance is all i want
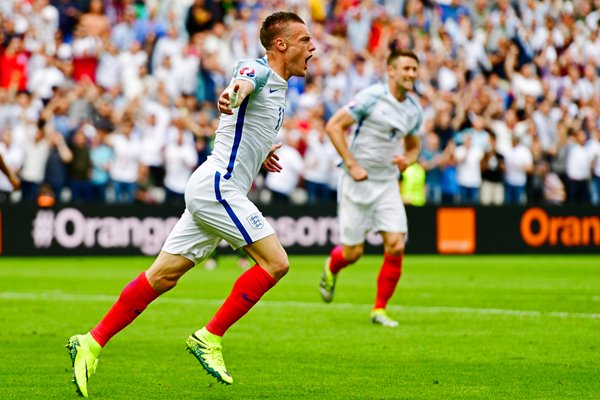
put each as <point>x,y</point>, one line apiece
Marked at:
<point>246,292</point>
<point>134,299</point>
<point>337,260</point>
<point>390,273</point>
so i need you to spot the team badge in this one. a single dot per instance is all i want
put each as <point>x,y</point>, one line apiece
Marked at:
<point>256,220</point>
<point>247,71</point>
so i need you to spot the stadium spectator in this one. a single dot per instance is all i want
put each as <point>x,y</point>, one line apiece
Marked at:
<point>283,185</point>
<point>536,178</point>
<point>100,155</point>
<point>13,65</point>
<point>579,168</point>
<point>9,181</point>
<point>468,158</point>
<point>317,162</point>
<point>518,163</point>
<point>384,114</point>
<point>492,172</point>
<point>180,161</point>
<point>56,173</point>
<point>412,185</point>
<point>594,144</point>
<point>432,158</point>
<point>123,34</point>
<point>80,168</point>
<point>124,165</point>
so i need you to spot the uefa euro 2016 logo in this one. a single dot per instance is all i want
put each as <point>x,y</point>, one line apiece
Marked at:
<point>247,71</point>
<point>256,221</point>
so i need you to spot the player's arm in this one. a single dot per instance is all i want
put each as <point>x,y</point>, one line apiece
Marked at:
<point>12,178</point>
<point>234,95</point>
<point>412,146</point>
<point>336,129</point>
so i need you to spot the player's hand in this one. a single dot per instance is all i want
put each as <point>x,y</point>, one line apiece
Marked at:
<point>228,100</point>
<point>401,162</point>
<point>358,173</point>
<point>270,163</point>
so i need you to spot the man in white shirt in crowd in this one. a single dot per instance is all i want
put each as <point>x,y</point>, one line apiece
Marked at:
<point>180,161</point>
<point>468,168</point>
<point>579,169</point>
<point>518,161</point>
<point>124,166</point>
<point>283,184</point>
<point>594,144</point>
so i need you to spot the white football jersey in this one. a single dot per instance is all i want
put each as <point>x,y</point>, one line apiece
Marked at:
<point>244,139</point>
<point>381,122</point>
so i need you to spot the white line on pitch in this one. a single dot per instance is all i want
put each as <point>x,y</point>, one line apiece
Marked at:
<point>59,296</point>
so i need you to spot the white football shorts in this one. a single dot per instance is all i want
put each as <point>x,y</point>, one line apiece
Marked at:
<point>215,210</point>
<point>369,205</point>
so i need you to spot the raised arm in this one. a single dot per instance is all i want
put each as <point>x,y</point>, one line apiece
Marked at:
<point>336,129</point>
<point>12,178</point>
<point>234,95</point>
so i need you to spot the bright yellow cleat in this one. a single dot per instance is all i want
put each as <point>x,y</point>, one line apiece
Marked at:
<point>380,317</point>
<point>327,284</point>
<point>84,351</point>
<point>206,347</point>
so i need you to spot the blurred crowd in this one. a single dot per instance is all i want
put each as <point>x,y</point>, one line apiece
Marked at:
<point>115,100</point>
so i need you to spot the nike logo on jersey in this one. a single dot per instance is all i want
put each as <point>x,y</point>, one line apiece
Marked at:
<point>272,90</point>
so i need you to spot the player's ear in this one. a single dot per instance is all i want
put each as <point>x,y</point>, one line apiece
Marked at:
<point>281,45</point>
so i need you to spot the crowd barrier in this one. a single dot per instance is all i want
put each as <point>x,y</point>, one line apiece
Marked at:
<point>73,230</point>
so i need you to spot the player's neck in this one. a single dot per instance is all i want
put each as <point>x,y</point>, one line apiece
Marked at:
<point>397,91</point>
<point>277,64</point>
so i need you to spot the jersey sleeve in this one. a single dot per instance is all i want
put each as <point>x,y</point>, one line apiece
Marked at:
<point>251,71</point>
<point>363,102</point>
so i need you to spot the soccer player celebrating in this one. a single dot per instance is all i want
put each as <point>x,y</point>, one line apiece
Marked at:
<point>368,192</point>
<point>217,206</point>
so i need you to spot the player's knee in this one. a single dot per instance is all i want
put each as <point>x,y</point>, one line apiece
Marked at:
<point>352,254</point>
<point>280,267</point>
<point>396,249</point>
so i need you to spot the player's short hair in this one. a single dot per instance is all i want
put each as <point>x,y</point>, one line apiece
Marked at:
<point>397,53</point>
<point>275,25</point>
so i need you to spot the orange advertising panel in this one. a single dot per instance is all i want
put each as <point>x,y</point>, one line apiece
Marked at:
<point>539,229</point>
<point>456,230</point>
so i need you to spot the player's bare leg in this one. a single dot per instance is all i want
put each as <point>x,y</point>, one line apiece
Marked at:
<point>271,265</point>
<point>340,257</point>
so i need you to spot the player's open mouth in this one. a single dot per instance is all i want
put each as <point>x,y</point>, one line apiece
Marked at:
<point>306,61</point>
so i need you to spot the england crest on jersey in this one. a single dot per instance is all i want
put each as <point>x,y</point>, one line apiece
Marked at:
<point>256,220</point>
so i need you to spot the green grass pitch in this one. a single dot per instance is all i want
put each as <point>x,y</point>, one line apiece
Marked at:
<point>493,327</point>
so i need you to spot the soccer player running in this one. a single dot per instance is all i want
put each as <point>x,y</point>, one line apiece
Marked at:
<point>368,193</point>
<point>217,206</point>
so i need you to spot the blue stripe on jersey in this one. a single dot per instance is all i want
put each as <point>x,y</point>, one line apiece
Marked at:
<point>229,210</point>
<point>356,132</point>
<point>263,61</point>
<point>239,127</point>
